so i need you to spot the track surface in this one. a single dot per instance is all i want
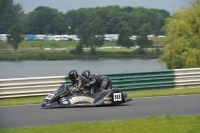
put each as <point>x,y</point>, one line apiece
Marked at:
<point>33,115</point>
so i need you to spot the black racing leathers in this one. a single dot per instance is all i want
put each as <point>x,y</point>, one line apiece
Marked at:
<point>80,80</point>
<point>101,82</point>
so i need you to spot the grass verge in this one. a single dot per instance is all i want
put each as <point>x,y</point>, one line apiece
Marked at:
<point>164,124</point>
<point>164,92</point>
<point>131,94</point>
<point>53,50</point>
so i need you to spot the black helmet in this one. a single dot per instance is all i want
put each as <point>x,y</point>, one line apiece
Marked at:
<point>86,74</point>
<point>73,75</point>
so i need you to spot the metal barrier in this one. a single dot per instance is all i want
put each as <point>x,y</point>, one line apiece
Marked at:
<point>156,79</point>
<point>127,81</point>
<point>20,87</point>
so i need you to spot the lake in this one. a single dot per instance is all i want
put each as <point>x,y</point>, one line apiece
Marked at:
<point>61,68</point>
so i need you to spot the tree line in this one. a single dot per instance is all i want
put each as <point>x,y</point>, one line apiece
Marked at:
<point>46,20</point>
<point>89,24</point>
<point>182,41</point>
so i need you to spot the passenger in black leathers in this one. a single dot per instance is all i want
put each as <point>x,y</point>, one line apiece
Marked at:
<point>96,80</point>
<point>79,80</point>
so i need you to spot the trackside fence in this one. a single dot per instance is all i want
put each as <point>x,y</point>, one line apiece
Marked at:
<point>126,81</point>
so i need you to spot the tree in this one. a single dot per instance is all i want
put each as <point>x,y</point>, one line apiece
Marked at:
<point>14,35</point>
<point>91,34</point>
<point>182,41</point>
<point>45,20</point>
<point>124,37</point>
<point>75,18</point>
<point>9,14</point>
<point>113,18</point>
<point>143,41</point>
<point>98,32</point>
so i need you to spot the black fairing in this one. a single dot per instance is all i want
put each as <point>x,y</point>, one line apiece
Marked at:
<point>64,97</point>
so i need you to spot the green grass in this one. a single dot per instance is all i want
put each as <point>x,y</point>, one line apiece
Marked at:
<point>24,45</point>
<point>35,50</point>
<point>21,101</point>
<point>164,92</point>
<point>47,44</point>
<point>60,55</point>
<point>131,94</point>
<point>164,124</point>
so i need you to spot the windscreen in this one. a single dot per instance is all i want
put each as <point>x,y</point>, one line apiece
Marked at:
<point>62,87</point>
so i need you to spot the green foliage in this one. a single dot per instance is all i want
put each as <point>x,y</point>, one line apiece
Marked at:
<point>108,20</point>
<point>75,18</point>
<point>73,54</point>
<point>143,41</point>
<point>4,45</point>
<point>14,35</point>
<point>48,44</point>
<point>44,20</point>
<point>73,51</point>
<point>30,50</point>
<point>91,34</point>
<point>9,14</point>
<point>139,16</point>
<point>93,51</point>
<point>124,37</point>
<point>79,49</point>
<point>182,43</point>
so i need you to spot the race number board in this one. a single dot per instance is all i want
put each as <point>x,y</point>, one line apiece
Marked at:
<point>117,97</point>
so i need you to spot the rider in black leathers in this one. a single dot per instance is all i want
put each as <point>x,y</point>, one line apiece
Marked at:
<point>79,80</point>
<point>102,82</point>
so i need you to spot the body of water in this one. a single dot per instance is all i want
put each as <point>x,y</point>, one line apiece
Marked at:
<point>24,69</point>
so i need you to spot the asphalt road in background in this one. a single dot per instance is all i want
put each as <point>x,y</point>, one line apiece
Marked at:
<point>33,115</point>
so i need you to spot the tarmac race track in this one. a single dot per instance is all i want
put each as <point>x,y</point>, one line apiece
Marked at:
<point>33,115</point>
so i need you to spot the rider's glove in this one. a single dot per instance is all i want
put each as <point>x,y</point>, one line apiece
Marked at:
<point>75,90</point>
